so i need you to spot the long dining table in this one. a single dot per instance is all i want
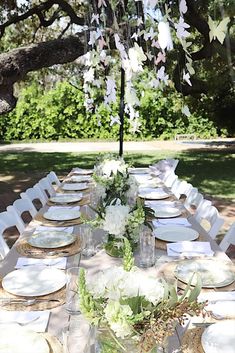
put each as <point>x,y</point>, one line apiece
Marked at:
<point>59,317</point>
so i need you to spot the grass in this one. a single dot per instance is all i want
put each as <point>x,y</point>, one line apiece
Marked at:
<point>211,172</point>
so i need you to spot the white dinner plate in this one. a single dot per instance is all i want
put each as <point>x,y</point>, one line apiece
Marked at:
<point>213,273</point>
<point>74,186</point>
<point>34,281</point>
<point>79,178</point>
<point>219,337</point>
<point>66,198</point>
<point>153,194</point>
<point>175,233</point>
<point>61,215</point>
<point>17,339</point>
<point>138,170</point>
<point>51,239</point>
<point>166,211</point>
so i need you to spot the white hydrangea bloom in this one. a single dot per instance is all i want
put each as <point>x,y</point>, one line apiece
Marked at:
<point>116,219</point>
<point>116,315</point>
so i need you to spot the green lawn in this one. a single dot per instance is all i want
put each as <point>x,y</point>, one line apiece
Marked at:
<point>212,173</point>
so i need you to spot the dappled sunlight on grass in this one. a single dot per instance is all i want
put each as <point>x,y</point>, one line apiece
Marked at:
<point>211,172</point>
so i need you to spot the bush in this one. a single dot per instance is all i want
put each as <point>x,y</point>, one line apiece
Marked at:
<point>60,113</point>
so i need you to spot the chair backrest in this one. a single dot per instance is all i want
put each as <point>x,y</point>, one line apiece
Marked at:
<point>210,220</point>
<point>53,179</point>
<point>11,219</point>
<point>4,248</point>
<point>21,206</point>
<point>202,208</point>
<point>33,194</point>
<point>170,179</point>
<point>46,187</point>
<point>164,166</point>
<point>181,187</point>
<point>229,238</point>
<point>193,200</point>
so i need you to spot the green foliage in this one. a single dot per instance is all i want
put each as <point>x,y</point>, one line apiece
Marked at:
<point>60,113</point>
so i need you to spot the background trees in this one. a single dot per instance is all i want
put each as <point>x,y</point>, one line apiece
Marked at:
<point>39,35</point>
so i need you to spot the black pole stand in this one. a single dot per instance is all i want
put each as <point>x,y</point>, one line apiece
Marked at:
<point>121,112</point>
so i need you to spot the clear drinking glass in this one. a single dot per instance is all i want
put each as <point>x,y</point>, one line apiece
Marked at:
<point>76,336</point>
<point>88,244</point>
<point>72,295</point>
<point>147,247</point>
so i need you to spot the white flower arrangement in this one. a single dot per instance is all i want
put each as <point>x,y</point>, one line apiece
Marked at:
<point>121,220</point>
<point>129,306</point>
<point>109,167</point>
<point>112,174</point>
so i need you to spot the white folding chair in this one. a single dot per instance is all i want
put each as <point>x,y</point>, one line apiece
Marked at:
<point>228,239</point>
<point>4,248</point>
<point>11,219</point>
<point>46,187</point>
<point>181,187</point>
<point>23,206</point>
<point>34,194</point>
<point>164,167</point>
<point>8,219</point>
<point>170,179</point>
<point>194,199</point>
<point>53,179</point>
<point>210,220</point>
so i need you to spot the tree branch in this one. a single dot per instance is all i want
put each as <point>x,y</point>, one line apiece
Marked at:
<point>38,11</point>
<point>15,64</point>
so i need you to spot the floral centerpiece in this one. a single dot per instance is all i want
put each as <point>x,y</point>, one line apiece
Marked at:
<point>134,312</point>
<point>120,221</point>
<point>113,180</point>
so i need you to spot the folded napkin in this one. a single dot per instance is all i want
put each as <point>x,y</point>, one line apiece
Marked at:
<point>188,248</point>
<point>49,229</point>
<point>82,171</point>
<point>216,296</point>
<point>179,221</point>
<point>59,262</point>
<point>80,177</point>
<point>65,208</point>
<point>160,203</point>
<point>77,194</point>
<point>222,309</point>
<point>39,324</point>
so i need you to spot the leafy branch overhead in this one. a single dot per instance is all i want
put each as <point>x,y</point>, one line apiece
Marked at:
<point>141,32</point>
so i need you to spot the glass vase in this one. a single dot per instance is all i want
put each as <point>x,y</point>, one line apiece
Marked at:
<point>107,342</point>
<point>114,246</point>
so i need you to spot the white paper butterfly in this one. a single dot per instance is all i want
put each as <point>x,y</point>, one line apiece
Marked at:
<point>186,77</point>
<point>162,76</point>
<point>114,120</point>
<point>95,18</point>
<point>218,30</point>
<point>185,110</point>
<point>101,3</point>
<point>183,6</point>
<point>164,36</point>
<point>181,29</point>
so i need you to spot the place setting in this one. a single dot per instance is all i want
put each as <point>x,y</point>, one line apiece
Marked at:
<point>50,242</point>
<point>216,275</point>
<point>60,216</point>
<point>32,288</point>
<point>64,199</point>
<point>81,171</point>
<point>78,179</point>
<point>215,338</point>
<point>153,193</point>
<point>67,187</point>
